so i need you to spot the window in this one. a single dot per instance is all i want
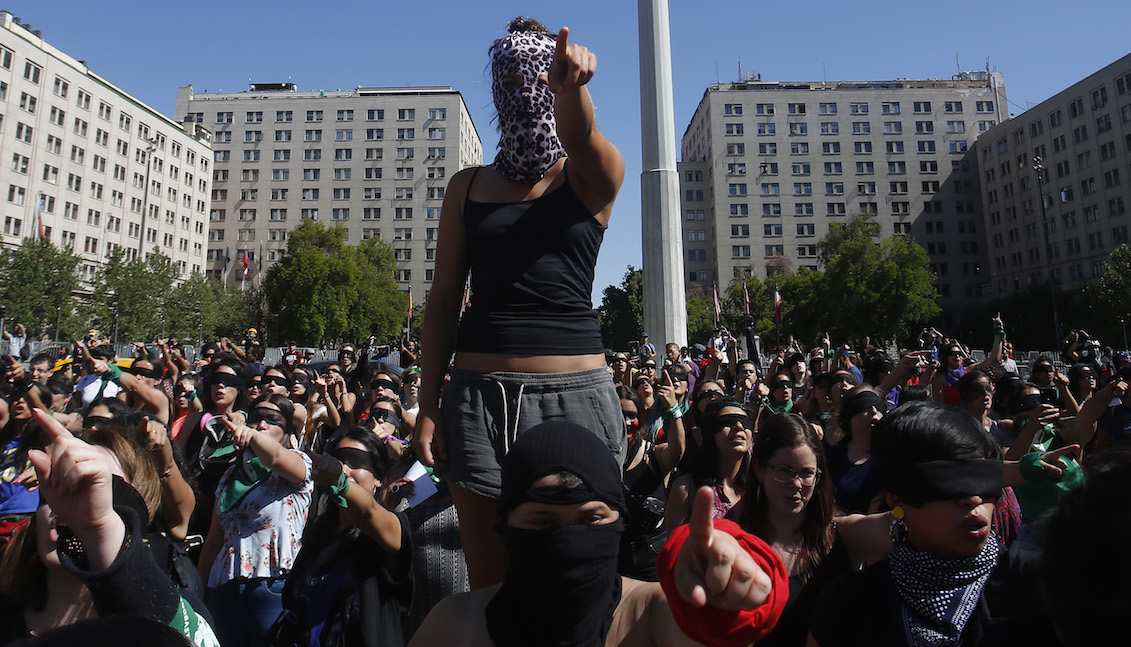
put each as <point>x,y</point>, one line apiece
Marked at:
<point>806,230</point>
<point>310,194</point>
<point>830,128</point>
<point>834,168</point>
<point>253,117</point>
<point>32,72</point>
<point>282,135</point>
<point>865,168</point>
<point>437,133</point>
<point>928,167</point>
<point>926,146</point>
<point>341,194</point>
<point>799,148</point>
<point>802,188</point>
<point>342,213</point>
<point>830,148</point>
<point>924,127</point>
<point>834,188</point>
<point>768,168</point>
<point>898,187</point>
<point>771,188</point>
<point>438,153</point>
<point>862,148</point>
<point>798,128</point>
<point>956,126</point>
<point>766,129</point>
<point>764,108</point>
<point>957,145</point>
<point>371,213</point>
<point>343,135</point>
<point>314,115</point>
<point>835,209</point>
<point>732,109</point>
<point>27,102</point>
<point>16,194</point>
<point>24,134</point>
<point>801,168</point>
<point>281,155</point>
<point>313,136</point>
<point>406,114</point>
<point>826,108</point>
<point>803,209</point>
<point>952,106</point>
<point>797,108</point>
<point>743,231</point>
<point>768,209</point>
<point>740,251</point>
<point>736,149</point>
<point>734,129</point>
<point>345,115</point>
<point>893,127</point>
<point>250,156</point>
<point>442,113</point>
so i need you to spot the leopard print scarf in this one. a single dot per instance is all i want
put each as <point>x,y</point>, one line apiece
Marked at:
<point>528,132</point>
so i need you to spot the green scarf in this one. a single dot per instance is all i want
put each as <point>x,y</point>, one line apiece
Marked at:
<point>248,475</point>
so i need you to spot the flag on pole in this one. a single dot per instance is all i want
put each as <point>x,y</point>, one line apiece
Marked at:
<point>39,218</point>
<point>718,308</point>
<point>777,305</point>
<point>227,257</point>
<point>467,294</point>
<point>259,263</point>
<point>410,305</point>
<point>245,265</point>
<point>746,298</point>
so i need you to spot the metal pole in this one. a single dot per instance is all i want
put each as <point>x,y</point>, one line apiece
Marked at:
<point>115,326</point>
<point>58,317</point>
<point>1038,166</point>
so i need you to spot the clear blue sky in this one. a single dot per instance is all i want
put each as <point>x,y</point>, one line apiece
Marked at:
<point>151,48</point>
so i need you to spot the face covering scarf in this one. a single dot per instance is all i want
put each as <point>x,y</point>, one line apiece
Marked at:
<point>528,132</point>
<point>939,595</point>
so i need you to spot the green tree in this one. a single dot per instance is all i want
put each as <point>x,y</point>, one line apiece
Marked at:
<point>37,285</point>
<point>621,312</point>
<point>325,290</point>
<point>130,296</point>
<point>882,289</point>
<point>215,308</point>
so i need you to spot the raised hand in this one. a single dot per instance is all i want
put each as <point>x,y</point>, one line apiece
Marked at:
<point>572,66</point>
<point>76,481</point>
<point>1052,463</point>
<point>713,569</point>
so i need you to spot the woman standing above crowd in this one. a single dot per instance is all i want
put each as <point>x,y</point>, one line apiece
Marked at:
<point>528,228</point>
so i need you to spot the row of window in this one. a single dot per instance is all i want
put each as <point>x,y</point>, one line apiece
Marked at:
<point>315,154</point>
<point>316,116</point>
<point>858,127</point>
<point>857,108</point>
<point>895,147</point>
<point>341,135</point>
<point>371,173</point>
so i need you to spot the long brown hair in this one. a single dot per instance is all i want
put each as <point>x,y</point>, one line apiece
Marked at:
<point>789,431</point>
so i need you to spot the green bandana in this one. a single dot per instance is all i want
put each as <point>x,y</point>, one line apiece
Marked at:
<point>249,474</point>
<point>338,490</point>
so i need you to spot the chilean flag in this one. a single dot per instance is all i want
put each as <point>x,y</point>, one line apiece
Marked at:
<point>777,305</point>
<point>245,266</point>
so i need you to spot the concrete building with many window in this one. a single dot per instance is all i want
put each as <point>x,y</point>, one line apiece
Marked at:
<point>92,167</point>
<point>375,161</point>
<point>1069,212</point>
<point>769,166</point>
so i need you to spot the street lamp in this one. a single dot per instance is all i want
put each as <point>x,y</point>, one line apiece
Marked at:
<point>1038,166</point>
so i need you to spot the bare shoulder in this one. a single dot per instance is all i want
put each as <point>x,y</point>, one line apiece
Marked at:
<point>643,619</point>
<point>456,621</point>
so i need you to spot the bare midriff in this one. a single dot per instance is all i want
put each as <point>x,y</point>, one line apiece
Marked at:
<point>491,362</point>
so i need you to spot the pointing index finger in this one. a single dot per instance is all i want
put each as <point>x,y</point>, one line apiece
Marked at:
<point>563,41</point>
<point>701,522</point>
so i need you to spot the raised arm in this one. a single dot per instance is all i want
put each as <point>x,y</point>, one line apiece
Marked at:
<point>599,167</point>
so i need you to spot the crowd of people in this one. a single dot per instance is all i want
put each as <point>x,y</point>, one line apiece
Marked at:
<point>512,481</point>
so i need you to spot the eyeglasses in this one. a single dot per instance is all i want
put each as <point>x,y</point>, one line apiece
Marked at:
<point>787,475</point>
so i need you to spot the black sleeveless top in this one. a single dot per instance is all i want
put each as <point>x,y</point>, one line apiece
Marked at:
<point>532,267</point>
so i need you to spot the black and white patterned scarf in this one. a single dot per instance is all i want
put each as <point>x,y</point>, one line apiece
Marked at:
<point>939,595</point>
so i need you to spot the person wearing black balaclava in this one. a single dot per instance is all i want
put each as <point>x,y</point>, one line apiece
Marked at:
<point>562,505</point>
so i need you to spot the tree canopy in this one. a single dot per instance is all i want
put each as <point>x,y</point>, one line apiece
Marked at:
<point>621,312</point>
<point>323,289</point>
<point>36,278</point>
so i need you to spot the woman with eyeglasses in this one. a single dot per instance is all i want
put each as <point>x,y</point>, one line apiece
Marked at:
<point>792,509</point>
<point>354,572</point>
<point>721,463</point>
<point>257,523</point>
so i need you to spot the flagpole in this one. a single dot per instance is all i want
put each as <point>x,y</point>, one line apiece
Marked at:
<point>777,314</point>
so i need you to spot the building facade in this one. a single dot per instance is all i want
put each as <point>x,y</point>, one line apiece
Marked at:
<point>375,161</point>
<point>1071,211</point>
<point>769,166</point>
<point>90,166</point>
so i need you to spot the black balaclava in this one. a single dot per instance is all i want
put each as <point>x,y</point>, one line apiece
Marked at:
<point>561,587</point>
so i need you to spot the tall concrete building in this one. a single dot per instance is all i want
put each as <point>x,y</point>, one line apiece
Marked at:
<point>94,166</point>
<point>768,166</point>
<point>1083,137</point>
<point>373,160</point>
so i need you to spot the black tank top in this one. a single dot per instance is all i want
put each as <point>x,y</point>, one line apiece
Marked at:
<point>532,266</point>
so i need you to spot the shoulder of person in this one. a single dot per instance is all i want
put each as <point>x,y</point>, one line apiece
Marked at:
<point>457,621</point>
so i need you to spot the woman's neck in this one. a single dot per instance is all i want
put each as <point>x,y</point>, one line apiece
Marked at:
<point>783,527</point>
<point>860,445</point>
<point>729,466</point>
<point>68,602</point>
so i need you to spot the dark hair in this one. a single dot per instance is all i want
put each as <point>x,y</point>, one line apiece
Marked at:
<point>705,463</point>
<point>1075,373</point>
<point>967,381</point>
<point>378,451</point>
<point>286,407</point>
<point>1013,400</point>
<point>105,351</point>
<point>845,421</point>
<point>625,393</point>
<point>116,407</point>
<point>41,357</point>
<point>913,393</point>
<point>790,431</point>
<point>1085,588</point>
<point>924,431</point>
<point>242,403</point>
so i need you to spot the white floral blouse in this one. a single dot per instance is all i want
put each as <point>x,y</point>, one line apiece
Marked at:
<point>263,534</point>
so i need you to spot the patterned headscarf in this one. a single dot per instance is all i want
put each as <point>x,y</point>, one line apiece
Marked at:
<point>528,132</point>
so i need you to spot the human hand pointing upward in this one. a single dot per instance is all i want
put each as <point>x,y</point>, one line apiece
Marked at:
<point>573,65</point>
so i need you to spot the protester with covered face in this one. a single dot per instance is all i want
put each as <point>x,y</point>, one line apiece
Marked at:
<point>563,507</point>
<point>528,228</point>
